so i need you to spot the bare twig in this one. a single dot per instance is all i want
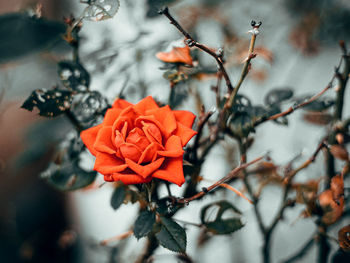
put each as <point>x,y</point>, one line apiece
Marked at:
<point>203,119</point>
<point>228,177</point>
<point>245,69</point>
<point>294,107</point>
<point>218,56</point>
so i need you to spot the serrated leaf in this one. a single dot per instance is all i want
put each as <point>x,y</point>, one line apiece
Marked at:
<point>101,9</point>
<point>50,103</point>
<point>118,197</point>
<point>73,76</point>
<point>23,34</point>
<point>219,225</point>
<point>144,223</point>
<point>276,96</point>
<point>172,236</point>
<point>165,207</point>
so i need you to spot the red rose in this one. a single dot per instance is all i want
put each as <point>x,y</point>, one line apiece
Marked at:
<point>136,143</point>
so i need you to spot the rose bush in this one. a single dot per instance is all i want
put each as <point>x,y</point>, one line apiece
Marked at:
<point>136,143</point>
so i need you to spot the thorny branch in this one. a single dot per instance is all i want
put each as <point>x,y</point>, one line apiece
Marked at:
<point>245,69</point>
<point>315,97</point>
<point>211,188</point>
<point>218,56</point>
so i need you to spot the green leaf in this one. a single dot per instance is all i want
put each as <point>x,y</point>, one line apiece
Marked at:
<point>276,96</point>
<point>68,176</point>
<point>165,207</point>
<point>144,223</point>
<point>101,9</point>
<point>172,236</point>
<point>241,123</point>
<point>321,104</point>
<point>22,34</point>
<point>50,103</point>
<point>224,226</point>
<point>118,197</point>
<point>219,225</point>
<point>73,76</point>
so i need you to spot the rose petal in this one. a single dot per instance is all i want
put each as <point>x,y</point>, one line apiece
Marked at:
<point>108,178</point>
<point>88,137</point>
<point>144,105</point>
<point>173,147</point>
<point>140,122</point>
<point>184,133</point>
<point>121,104</point>
<point>166,117</point>
<point>107,164</point>
<point>149,153</point>
<point>137,136</point>
<point>127,115</point>
<point>152,132</point>
<point>124,130</point>
<point>144,170</point>
<point>184,117</point>
<point>130,178</point>
<point>130,151</point>
<point>103,141</point>
<point>172,171</point>
<point>111,116</point>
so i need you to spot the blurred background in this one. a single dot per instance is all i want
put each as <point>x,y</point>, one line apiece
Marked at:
<point>297,49</point>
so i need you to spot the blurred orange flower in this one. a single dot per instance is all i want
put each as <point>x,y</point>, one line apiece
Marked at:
<point>176,55</point>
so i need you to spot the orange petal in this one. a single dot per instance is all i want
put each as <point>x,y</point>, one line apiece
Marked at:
<point>184,117</point>
<point>171,171</point>
<point>111,116</point>
<point>166,117</point>
<point>149,153</point>
<point>108,178</point>
<point>152,132</point>
<point>108,163</point>
<point>130,178</point>
<point>121,104</point>
<point>144,170</point>
<point>184,133</point>
<point>137,136</point>
<point>176,55</point>
<point>130,151</point>
<point>128,116</point>
<point>103,141</point>
<point>173,147</point>
<point>88,137</point>
<point>145,104</point>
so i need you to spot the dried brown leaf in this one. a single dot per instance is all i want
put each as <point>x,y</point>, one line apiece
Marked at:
<point>344,238</point>
<point>318,118</point>
<point>332,210</point>
<point>339,152</point>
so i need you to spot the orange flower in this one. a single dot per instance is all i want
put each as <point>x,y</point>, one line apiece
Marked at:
<point>136,143</point>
